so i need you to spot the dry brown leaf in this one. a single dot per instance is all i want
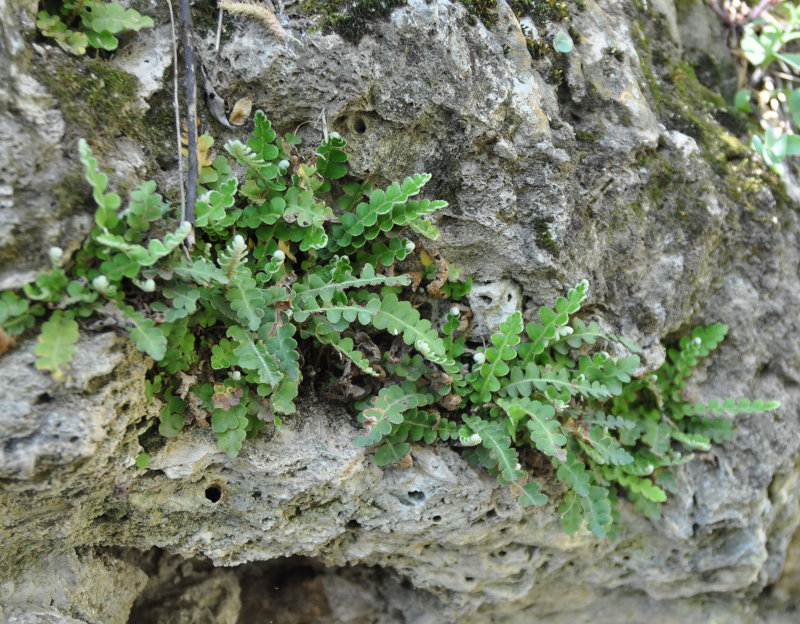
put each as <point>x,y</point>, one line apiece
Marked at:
<point>442,270</point>
<point>284,247</point>
<point>187,381</point>
<point>6,342</point>
<point>241,110</point>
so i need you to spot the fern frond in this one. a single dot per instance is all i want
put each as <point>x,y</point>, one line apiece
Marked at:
<point>387,409</point>
<point>494,367</point>
<point>495,440</point>
<point>554,321</point>
<point>107,203</point>
<point>399,318</point>
<point>55,346</point>
<point>545,430</point>
<point>326,334</point>
<point>145,334</point>
<point>155,249</point>
<point>256,10</point>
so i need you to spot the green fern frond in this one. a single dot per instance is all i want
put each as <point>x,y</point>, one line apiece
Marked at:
<point>55,347</point>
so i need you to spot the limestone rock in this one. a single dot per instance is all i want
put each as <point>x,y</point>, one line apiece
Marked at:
<point>611,164</point>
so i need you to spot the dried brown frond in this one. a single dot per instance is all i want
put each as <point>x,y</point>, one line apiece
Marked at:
<point>256,10</point>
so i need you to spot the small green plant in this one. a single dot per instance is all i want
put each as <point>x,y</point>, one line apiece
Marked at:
<point>764,40</point>
<point>562,42</point>
<point>774,147</point>
<point>78,24</point>
<point>764,44</point>
<point>295,263</point>
<point>273,265</point>
<point>536,392</point>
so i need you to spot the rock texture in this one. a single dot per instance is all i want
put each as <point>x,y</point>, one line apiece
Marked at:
<point>613,163</point>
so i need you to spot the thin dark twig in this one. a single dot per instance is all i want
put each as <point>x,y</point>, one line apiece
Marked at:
<point>187,36</point>
<point>176,106</point>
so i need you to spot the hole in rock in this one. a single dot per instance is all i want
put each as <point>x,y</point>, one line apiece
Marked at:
<point>43,399</point>
<point>256,495</point>
<point>436,518</point>
<point>286,590</point>
<point>213,493</point>
<point>359,125</point>
<point>417,496</point>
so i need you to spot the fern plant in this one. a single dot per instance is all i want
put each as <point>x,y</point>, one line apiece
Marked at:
<point>77,24</point>
<point>536,393</point>
<point>274,265</point>
<point>294,263</point>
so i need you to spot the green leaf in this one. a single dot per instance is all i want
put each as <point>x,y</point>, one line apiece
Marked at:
<point>388,453</point>
<point>562,42</point>
<point>302,208</point>
<point>247,301</point>
<point>171,415</point>
<point>693,441</point>
<point>155,250</point>
<point>143,460</point>
<point>145,335</point>
<point>494,367</point>
<point>102,40</point>
<point>554,321</point>
<point>69,40</point>
<point>387,409</point>
<point>120,265</point>
<point>604,449</point>
<point>56,344</point>
<point>733,407</point>
<point>399,318</point>
<point>531,495</point>
<point>326,334</point>
<point>742,100</point>
<point>331,157</point>
<point>114,18</point>
<point>231,440</point>
<point>222,354</point>
<point>497,442</point>
<point>545,430</point>
<point>246,156</point>
<point>573,473</point>
<point>597,510</point>
<point>107,203</point>
<point>201,271</point>
<point>253,356</point>
<point>365,217</point>
<point>571,513</point>
<point>14,313</point>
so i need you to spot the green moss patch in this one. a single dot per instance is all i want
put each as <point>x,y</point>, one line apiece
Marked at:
<point>349,20</point>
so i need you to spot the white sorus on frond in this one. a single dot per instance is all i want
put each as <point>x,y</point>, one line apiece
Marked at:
<point>56,253</point>
<point>471,440</point>
<point>100,283</point>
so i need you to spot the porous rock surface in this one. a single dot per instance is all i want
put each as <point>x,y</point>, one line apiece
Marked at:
<point>612,163</point>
